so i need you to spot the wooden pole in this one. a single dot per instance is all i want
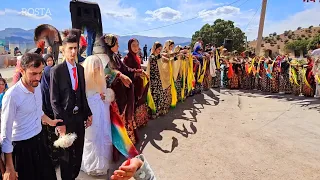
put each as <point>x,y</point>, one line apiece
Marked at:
<point>261,26</point>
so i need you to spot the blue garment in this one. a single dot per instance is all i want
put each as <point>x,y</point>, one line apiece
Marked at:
<point>45,90</point>
<point>198,55</point>
<point>90,39</point>
<point>1,97</point>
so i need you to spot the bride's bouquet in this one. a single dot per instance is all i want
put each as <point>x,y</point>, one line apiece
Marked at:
<point>65,141</point>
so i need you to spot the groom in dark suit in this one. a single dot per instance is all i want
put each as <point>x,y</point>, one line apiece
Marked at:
<point>69,103</point>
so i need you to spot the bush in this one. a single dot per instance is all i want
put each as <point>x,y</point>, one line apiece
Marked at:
<point>318,31</point>
<point>262,45</point>
<point>274,34</point>
<point>313,42</point>
<point>302,35</point>
<point>310,27</point>
<point>299,28</point>
<point>290,36</point>
<point>299,38</point>
<point>286,33</point>
<point>278,37</point>
<point>278,46</point>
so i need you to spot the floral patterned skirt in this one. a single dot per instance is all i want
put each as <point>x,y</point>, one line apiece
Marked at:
<point>167,101</point>
<point>247,81</point>
<point>216,81</point>
<point>257,82</point>
<point>234,82</point>
<point>308,91</point>
<point>295,89</point>
<point>265,84</point>
<point>141,115</point>
<point>274,82</point>
<point>284,83</point>
<point>179,87</point>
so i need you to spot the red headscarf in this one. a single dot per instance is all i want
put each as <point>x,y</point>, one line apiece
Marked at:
<point>132,56</point>
<point>41,45</point>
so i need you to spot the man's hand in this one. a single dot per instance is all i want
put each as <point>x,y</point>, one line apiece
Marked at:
<point>10,174</point>
<point>88,122</point>
<point>54,122</point>
<point>61,130</point>
<point>125,80</point>
<point>127,170</point>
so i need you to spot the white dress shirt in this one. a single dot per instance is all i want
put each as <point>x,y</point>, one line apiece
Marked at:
<point>21,115</point>
<point>73,81</point>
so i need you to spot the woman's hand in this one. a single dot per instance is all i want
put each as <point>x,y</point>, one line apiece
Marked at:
<point>125,80</point>
<point>127,170</point>
<point>143,74</point>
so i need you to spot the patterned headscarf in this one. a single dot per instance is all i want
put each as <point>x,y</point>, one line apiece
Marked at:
<point>155,46</point>
<point>107,42</point>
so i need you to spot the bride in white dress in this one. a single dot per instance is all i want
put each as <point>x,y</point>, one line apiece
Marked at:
<point>97,151</point>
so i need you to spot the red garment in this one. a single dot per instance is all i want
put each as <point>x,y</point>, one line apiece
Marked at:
<point>41,45</point>
<point>132,55</point>
<point>309,69</point>
<point>83,42</point>
<point>75,78</point>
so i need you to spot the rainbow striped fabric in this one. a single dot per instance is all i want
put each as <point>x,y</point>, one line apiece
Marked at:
<point>120,136</point>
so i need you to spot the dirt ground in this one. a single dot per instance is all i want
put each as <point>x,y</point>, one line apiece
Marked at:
<point>235,135</point>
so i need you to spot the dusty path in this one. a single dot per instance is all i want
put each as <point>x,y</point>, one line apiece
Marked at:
<point>235,135</point>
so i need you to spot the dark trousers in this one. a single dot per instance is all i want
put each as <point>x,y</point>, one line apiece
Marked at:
<point>31,159</point>
<point>145,56</point>
<point>71,158</point>
<point>91,37</point>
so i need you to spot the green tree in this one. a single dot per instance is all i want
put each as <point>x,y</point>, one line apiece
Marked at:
<point>313,42</point>
<point>219,31</point>
<point>297,45</point>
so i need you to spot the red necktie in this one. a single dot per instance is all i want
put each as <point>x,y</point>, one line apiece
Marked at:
<point>75,77</point>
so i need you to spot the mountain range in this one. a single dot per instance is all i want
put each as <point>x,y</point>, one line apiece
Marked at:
<point>18,35</point>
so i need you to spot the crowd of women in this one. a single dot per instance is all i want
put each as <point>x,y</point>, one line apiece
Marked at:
<point>279,75</point>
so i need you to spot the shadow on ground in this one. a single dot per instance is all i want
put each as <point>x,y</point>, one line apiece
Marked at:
<point>152,132</point>
<point>307,102</point>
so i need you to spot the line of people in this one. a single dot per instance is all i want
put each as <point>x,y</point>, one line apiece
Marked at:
<point>279,75</point>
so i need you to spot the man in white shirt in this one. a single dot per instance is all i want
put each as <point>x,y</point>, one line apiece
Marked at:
<point>22,143</point>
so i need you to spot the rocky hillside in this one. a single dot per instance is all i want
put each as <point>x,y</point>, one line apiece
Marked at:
<point>276,42</point>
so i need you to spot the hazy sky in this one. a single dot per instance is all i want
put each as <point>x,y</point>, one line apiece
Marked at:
<point>124,17</point>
